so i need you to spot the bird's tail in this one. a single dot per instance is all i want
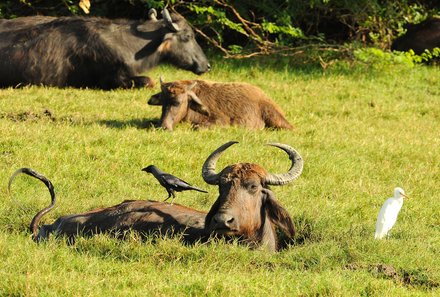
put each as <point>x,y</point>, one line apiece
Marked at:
<point>197,189</point>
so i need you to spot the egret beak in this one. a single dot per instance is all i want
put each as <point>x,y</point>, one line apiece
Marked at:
<point>404,195</point>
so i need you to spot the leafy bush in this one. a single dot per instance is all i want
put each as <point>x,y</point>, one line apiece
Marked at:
<point>378,58</point>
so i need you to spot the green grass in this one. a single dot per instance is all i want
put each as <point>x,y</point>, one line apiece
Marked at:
<point>361,132</point>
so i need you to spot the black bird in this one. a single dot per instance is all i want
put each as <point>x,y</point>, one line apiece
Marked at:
<point>170,182</point>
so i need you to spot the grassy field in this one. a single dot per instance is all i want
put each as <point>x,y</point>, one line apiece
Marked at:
<point>361,132</point>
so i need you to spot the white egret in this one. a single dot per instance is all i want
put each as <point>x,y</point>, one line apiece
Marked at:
<point>388,213</point>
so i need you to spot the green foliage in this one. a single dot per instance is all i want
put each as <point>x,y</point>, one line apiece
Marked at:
<point>378,58</point>
<point>428,55</point>
<point>293,22</point>
<point>288,30</point>
<point>216,16</point>
<point>388,20</point>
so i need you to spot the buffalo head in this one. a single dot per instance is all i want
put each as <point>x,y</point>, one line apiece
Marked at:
<point>246,207</point>
<point>180,46</point>
<point>177,98</point>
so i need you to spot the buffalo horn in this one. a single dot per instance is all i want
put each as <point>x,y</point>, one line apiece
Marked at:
<point>162,84</point>
<point>168,21</point>
<point>152,14</point>
<point>35,221</point>
<point>294,171</point>
<point>208,169</point>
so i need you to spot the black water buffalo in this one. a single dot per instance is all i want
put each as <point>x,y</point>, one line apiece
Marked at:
<point>23,22</point>
<point>246,208</point>
<point>94,52</point>
<point>425,35</point>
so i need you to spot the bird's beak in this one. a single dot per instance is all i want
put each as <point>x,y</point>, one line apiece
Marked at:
<point>404,195</point>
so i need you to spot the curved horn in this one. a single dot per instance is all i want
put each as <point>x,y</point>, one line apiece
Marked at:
<point>152,14</point>
<point>294,171</point>
<point>208,169</point>
<point>36,220</point>
<point>168,21</point>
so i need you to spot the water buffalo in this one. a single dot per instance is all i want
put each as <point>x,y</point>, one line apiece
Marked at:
<point>245,208</point>
<point>425,35</point>
<point>94,52</point>
<point>206,103</point>
<point>23,22</point>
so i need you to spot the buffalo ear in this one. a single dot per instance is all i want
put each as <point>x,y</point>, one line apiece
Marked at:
<point>211,213</point>
<point>277,214</point>
<point>164,47</point>
<point>155,99</point>
<point>196,104</point>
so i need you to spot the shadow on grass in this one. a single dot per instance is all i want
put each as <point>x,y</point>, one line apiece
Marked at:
<point>274,63</point>
<point>306,231</point>
<point>308,62</point>
<point>148,124</point>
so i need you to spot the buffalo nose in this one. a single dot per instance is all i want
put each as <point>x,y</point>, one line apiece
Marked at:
<point>224,220</point>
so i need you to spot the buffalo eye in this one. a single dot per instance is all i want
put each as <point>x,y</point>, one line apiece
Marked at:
<point>252,187</point>
<point>185,37</point>
<point>224,180</point>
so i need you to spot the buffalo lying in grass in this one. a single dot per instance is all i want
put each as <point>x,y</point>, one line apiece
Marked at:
<point>206,103</point>
<point>245,208</point>
<point>24,22</point>
<point>94,52</point>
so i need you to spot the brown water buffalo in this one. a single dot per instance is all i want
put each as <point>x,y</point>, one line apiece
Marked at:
<point>206,103</point>
<point>425,35</point>
<point>94,52</point>
<point>245,208</point>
